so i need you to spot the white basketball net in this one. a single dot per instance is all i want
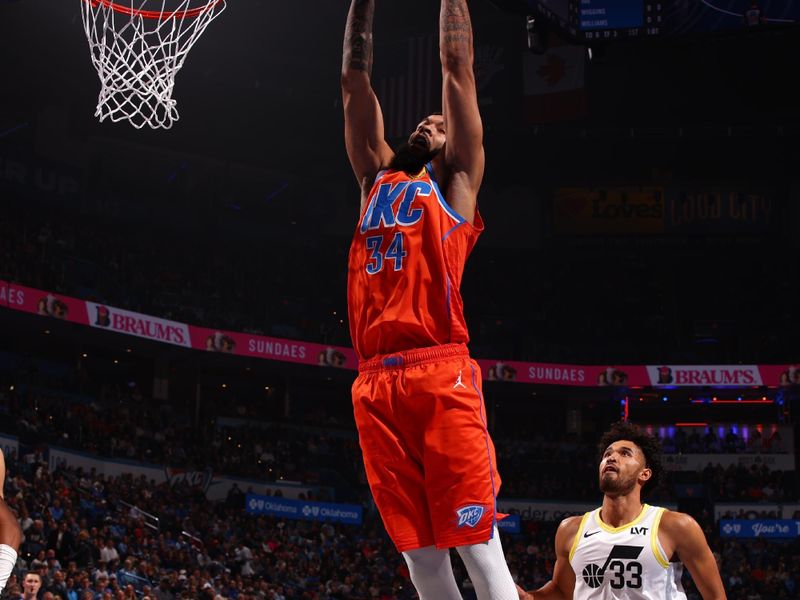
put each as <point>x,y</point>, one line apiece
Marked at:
<point>137,53</point>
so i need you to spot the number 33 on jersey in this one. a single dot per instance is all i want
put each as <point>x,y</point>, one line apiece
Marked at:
<point>406,262</point>
<point>624,563</point>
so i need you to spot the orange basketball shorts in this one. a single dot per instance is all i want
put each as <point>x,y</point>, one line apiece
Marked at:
<point>428,456</point>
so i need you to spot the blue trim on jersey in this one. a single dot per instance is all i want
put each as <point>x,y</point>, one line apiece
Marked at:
<point>447,300</point>
<point>440,197</point>
<point>452,229</point>
<point>431,172</point>
<point>488,451</point>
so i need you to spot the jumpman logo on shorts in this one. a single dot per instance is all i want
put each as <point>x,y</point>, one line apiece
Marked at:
<point>459,382</point>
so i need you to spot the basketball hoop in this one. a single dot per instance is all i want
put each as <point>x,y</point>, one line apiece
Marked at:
<point>138,52</point>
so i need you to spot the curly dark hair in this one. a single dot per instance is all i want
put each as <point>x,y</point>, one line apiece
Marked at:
<point>648,444</point>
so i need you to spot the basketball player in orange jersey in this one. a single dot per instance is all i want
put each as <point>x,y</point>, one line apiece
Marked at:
<point>626,549</point>
<point>417,400</point>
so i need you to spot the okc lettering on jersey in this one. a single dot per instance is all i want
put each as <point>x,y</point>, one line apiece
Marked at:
<point>381,210</point>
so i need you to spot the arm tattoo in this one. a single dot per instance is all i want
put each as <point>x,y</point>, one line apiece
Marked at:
<point>455,29</point>
<point>357,54</point>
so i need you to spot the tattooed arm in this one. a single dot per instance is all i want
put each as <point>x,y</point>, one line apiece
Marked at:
<point>363,120</point>
<point>464,155</point>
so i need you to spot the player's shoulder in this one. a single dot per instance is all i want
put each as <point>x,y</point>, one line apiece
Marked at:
<point>567,530</point>
<point>677,523</point>
<point>570,524</point>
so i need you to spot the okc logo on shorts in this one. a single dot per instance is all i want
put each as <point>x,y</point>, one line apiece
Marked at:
<point>469,515</point>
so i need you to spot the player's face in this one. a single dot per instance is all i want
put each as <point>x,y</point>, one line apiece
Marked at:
<point>622,466</point>
<point>429,136</point>
<point>31,584</point>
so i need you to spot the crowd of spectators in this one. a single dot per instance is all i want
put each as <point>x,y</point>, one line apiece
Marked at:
<point>86,542</point>
<point>142,431</point>
<point>123,423</point>
<point>731,442</point>
<point>88,538</point>
<point>738,483</point>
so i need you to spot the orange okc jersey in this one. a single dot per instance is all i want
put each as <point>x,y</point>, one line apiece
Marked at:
<point>406,261</point>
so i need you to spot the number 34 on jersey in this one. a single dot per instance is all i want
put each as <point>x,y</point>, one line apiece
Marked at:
<point>391,206</point>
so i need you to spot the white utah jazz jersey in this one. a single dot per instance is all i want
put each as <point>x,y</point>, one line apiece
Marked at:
<point>624,562</point>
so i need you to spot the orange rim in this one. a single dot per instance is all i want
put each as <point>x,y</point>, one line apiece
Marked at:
<point>155,14</point>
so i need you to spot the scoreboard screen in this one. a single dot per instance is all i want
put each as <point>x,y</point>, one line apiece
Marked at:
<point>607,20</point>
<point>612,19</point>
<point>594,15</point>
<point>589,20</point>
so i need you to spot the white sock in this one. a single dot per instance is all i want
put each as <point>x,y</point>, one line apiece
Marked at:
<point>432,573</point>
<point>8,558</point>
<point>488,570</point>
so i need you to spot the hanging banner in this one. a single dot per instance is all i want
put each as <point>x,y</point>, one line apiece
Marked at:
<point>143,326</point>
<point>51,305</point>
<point>45,304</point>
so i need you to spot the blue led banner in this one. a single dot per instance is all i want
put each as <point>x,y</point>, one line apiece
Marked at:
<point>301,510</point>
<point>760,528</point>
<point>511,524</point>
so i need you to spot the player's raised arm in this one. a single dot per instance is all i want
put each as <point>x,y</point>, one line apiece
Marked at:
<point>464,155</point>
<point>562,585</point>
<point>689,542</point>
<point>363,121</point>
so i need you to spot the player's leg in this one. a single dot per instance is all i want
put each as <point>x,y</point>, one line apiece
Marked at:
<point>488,571</point>
<point>461,476</point>
<point>432,573</point>
<point>392,460</point>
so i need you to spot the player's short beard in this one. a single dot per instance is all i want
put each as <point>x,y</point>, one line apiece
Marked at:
<point>616,486</point>
<point>411,159</point>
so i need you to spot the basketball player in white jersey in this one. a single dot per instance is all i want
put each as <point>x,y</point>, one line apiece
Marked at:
<point>10,532</point>
<point>627,549</point>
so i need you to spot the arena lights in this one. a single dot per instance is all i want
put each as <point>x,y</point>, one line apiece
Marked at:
<point>625,408</point>
<point>715,400</point>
